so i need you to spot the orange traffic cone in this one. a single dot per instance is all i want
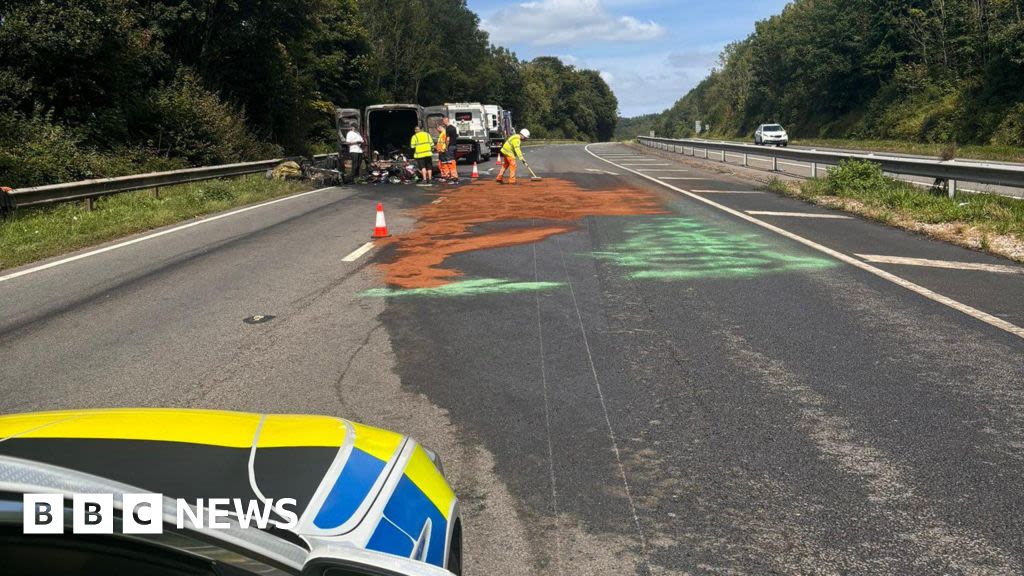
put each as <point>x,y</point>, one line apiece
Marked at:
<point>380,230</point>
<point>476,173</point>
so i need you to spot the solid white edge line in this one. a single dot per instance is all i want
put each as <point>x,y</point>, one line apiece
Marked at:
<point>358,252</point>
<point>202,220</point>
<point>921,290</point>
<point>799,214</point>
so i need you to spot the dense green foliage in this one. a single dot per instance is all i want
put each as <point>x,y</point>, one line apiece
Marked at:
<point>918,70</point>
<point>104,87</point>
<point>628,128</point>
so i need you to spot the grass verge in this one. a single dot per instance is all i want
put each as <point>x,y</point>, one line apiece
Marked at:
<point>34,233</point>
<point>966,152</point>
<point>982,221</point>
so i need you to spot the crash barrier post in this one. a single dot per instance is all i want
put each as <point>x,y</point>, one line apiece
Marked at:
<point>953,172</point>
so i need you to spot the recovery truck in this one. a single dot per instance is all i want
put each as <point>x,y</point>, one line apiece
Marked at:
<point>499,126</point>
<point>469,119</point>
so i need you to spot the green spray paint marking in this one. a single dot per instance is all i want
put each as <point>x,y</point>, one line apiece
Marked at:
<point>466,288</point>
<point>681,249</point>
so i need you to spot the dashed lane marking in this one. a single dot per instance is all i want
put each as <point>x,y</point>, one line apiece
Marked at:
<point>358,252</point>
<point>799,214</point>
<point>985,317</point>
<point>998,268</point>
<point>608,172</point>
<point>69,259</point>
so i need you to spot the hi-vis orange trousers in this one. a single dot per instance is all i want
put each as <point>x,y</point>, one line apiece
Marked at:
<point>508,163</point>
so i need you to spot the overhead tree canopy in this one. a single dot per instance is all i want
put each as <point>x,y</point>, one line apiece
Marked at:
<point>129,84</point>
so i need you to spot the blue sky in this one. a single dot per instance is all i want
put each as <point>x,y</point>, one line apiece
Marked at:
<point>651,52</point>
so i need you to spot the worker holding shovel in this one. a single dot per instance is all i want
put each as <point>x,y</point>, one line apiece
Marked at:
<point>511,150</point>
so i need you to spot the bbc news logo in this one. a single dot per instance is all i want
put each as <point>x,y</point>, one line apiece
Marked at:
<point>143,513</point>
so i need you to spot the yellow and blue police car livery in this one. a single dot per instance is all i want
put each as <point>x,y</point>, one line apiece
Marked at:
<point>355,484</point>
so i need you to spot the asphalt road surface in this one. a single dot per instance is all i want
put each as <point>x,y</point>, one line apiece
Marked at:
<point>630,367</point>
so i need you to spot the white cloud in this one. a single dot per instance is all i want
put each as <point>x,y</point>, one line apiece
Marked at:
<point>566,23</point>
<point>646,83</point>
<point>694,58</point>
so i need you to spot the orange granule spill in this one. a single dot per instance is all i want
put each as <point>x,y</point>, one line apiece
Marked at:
<point>453,226</point>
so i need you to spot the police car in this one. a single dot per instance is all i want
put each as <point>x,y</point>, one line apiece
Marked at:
<point>351,500</point>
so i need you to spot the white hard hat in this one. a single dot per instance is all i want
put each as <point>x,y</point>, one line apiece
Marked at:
<point>525,133</point>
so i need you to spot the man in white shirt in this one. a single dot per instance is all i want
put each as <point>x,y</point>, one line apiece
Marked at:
<point>355,151</point>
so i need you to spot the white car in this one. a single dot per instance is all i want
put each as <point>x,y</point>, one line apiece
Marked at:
<point>771,134</point>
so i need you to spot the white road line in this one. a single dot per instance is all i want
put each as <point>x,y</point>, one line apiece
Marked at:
<point>998,268</point>
<point>680,178</point>
<point>727,191</point>
<point>547,420</point>
<point>56,263</point>
<point>438,201</point>
<point>985,317</point>
<point>799,214</point>
<point>358,252</point>
<point>604,408</point>
<point>608,172</point>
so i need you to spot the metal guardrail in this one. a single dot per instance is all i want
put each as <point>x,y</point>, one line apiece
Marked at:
<point>92,189</point>
<point>952,171</point>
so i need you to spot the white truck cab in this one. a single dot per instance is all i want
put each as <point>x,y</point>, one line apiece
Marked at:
<point>470,118</point>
